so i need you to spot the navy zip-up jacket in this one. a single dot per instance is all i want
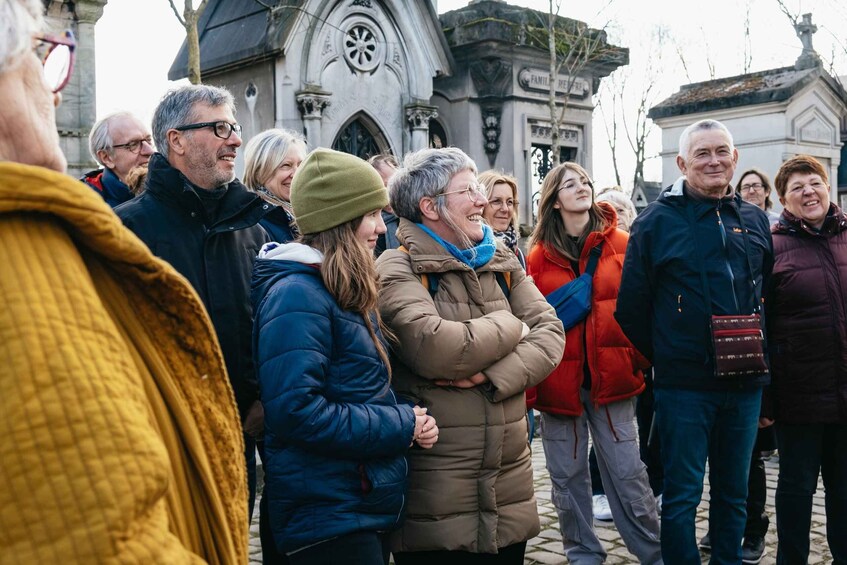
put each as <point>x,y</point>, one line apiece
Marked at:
<point>335,433</point>
<point>661,303</point>
<point>217,260</point>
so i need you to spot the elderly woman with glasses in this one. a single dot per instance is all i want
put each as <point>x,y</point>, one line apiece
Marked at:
<point>755,188</point>
<point>121,441</point>
<point>471,334</point>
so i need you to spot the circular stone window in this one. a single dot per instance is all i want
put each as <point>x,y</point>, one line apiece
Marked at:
<point>362,48</point>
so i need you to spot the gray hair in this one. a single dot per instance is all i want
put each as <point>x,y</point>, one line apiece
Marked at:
<point>177,109</point>
<point>100,138</point>
<point>702,125</point>
<point>616,196</point>
<point>426,173</point>
<point>19,21</point>
<point>265,152</point>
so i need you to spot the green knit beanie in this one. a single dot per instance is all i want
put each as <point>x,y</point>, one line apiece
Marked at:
<point>331,188</point>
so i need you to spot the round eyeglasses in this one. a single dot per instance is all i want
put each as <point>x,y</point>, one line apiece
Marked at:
<point>472,191</point>
<point>135,145</point>
<point>57,57</point>
<point>221,128</point>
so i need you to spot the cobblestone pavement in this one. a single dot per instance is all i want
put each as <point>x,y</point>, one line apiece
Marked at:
<point>546,548</point>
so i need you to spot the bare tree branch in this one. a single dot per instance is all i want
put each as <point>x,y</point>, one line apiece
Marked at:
<point>176,13</point>
<point>748,46</point>
<point>787,12</point>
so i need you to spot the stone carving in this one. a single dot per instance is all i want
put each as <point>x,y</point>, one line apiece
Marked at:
<point>544,131</point>
<point>312,103</point>
<point>491,114</point>
<point>419,115</point>
<point>362,47</point>
<point>491,77</point>
<point>538,80</point>
<point>362,3</point>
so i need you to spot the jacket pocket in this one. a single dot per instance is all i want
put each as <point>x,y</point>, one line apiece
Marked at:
<point>384,485</point>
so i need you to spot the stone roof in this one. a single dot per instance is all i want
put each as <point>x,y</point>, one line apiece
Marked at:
<point>235,33</point>
<point>495,20</point>
<point>774,85</point>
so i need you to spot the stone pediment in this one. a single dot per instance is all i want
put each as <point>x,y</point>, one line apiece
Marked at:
<point>812,127</point>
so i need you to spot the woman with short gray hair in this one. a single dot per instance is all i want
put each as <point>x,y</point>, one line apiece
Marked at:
<point>272,157</point>
<point>472,333</point>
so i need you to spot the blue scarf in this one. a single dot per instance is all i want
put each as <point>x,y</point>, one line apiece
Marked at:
<point>474,257</point>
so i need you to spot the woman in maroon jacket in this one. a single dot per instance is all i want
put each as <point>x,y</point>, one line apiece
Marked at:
<point>595,384</point>
<point>807,331</point>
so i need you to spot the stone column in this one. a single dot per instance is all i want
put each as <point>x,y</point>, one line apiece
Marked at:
<point>419,116</point>
<point>312,103</point>
<point>78,111</point>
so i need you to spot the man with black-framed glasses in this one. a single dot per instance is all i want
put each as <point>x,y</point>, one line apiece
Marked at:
<point>197,216</point>
<point>120,142</point>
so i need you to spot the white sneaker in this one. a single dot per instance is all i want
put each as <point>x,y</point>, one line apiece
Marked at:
<point>600,507</point>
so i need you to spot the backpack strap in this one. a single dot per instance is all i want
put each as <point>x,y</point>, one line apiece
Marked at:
<point>430,280</point>
<point>593,258</point>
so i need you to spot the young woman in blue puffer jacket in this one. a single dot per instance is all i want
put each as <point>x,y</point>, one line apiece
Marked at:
<point>335,434</point>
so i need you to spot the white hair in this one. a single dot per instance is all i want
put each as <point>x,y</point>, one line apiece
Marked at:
<point>19,21</point>
<point>100,138</point>
<point>702,125</point>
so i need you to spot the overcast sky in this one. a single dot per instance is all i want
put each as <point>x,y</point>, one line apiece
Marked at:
<point>137,40</point>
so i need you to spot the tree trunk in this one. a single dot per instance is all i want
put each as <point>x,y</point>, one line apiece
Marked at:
<point>193,41</point>
<point>551,101</point>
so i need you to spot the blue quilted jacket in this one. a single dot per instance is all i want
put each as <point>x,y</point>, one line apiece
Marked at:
<point>335,434</point>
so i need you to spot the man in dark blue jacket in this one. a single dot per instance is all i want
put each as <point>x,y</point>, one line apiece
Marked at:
<point>198,217</point>
<point>698,228</point>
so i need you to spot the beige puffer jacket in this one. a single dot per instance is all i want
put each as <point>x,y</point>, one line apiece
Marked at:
<point>473,490</point>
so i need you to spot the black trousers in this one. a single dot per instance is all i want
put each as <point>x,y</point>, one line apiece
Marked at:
<point>359,548</point>
<point>509,555</point>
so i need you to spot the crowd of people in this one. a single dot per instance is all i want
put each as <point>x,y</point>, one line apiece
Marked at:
<point>375,332</point>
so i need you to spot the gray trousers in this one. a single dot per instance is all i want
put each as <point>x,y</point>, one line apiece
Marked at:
<point>613,430</point>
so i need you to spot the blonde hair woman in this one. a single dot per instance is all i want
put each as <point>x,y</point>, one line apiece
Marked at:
<point>501,212</point>
<point>595,384</point>
<point>271,159</point>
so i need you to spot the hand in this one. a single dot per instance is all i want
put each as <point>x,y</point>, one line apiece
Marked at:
<point>420,420</point>
<point>765,422</point>
<point>254,421</point>
<point>524,330</point>
<point>469,382</point>
<point>429,433</point>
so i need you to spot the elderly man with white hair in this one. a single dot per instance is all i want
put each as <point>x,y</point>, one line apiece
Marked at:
<point>690,301</point>
<point>120,142</point>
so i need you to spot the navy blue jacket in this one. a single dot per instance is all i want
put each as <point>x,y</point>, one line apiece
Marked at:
<point>661,303</point>
<point>276,224</point>
<point>335,434</point>
<point>217,260</point>
<point>107,184</point>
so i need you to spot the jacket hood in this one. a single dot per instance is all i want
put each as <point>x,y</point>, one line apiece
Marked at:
<point>276,261</point>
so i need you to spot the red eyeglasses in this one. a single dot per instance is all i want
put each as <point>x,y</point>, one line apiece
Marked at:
<point>57,57</point>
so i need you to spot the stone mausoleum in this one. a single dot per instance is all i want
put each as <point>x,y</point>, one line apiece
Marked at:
<point>367,76</point>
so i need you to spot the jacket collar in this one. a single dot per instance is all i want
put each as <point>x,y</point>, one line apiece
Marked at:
<point>240,207</point>
<point>428,256</point>
<point>834,223</point>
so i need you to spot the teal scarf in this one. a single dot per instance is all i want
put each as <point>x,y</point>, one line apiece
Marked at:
<point>474,257</point>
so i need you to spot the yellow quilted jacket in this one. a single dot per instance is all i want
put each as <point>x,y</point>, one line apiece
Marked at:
<point>119,437</point>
